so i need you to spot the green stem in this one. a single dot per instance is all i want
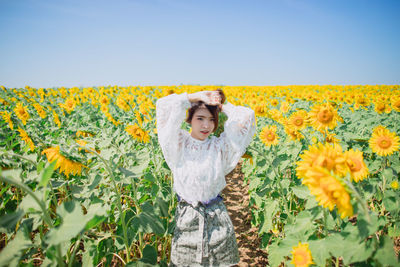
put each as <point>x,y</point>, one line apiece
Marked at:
<point>22,186</point>
<point>117,191</point>
<point>71,260</point>
<point>359,199</point>
<point>18,156</point>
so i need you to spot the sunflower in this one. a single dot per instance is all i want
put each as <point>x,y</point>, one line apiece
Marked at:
<point>69,104</point>
<point>104,100</point>
<point>394,185</point>
<point>24,136</point>
<point>276,115</point>
<point>22,113</point>
<point>248,156</point>
<point>330,138</point>
<point>7,118</point>
<point>268,135</point>
<point>382,107</point>
<point>40,110</point>
<point>355,162</point>
<point>361,101</point>
<point>138,133</point>
<point>64,164</point>
<point>292,132</point>
<point>383,142</point>
<point>301,255</point>
<point>395,103</point>
<point>274,102</point>
<point>329,191</point>
<point>104,108</point>
<point>261,110</point>
<point>323,117</point>
<point>328,156</point>
<point>298,119</point>
<point>84,134</point>
<point>56,119</point>
<point>122,103</point>
<point>285,107</point>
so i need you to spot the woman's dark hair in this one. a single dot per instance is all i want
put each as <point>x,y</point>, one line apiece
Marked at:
<point>214,110</point>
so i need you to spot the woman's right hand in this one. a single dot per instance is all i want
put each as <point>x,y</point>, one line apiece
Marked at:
<point>212,98</point>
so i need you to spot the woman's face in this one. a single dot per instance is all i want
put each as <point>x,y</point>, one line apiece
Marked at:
<point>202,124</point>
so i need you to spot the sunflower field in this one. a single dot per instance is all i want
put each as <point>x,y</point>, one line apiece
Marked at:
<point>84,183</point>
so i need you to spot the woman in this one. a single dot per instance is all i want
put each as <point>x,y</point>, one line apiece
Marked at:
<point>204,234</point>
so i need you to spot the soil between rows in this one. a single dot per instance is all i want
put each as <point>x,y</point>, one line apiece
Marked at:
<point>236,199</point>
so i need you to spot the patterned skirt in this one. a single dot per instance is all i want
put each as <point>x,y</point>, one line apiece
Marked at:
<point>203,236</point>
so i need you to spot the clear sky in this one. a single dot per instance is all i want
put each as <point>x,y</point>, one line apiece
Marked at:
<point>52,43</point>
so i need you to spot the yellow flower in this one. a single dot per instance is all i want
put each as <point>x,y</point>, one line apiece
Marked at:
<point>383,142</point>
<point>122,103</point>
<point>24,136</point>
<point>394,185</point>
<point>329,156</point>
<point>268,136</point>
<point>330,138</point>
<point>274,102</point>
<point>7,118</point>
<point>84,134</point>
<point>395,102</point>
<point>22,113</point>
<point>382,106</point>
<point>104,100</point>
<point>56,119</point>
<point>104,108</point>
<point>260,110</point>
<point>69,104</point>
<point>285,107</point>
<point>323,117</point>
<point>298,119</point>
<point>248,156</point>
<point>138,133</point>
<point>293,133</point>
<point>301,255</point>
<point>40,110</point>
<point>328,191</point>
<point>64,164</point>
<point>355,162</point>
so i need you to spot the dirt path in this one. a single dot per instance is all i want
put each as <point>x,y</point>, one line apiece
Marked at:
<point>236,199</point>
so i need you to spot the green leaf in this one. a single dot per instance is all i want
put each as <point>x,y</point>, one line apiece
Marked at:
<point>301,191</point>
<point>278,251</point>
<point>73,221</point>
<point>385,254</point>
<point>149,255</point>
<point>46,175</point>
<point>148,221</point>
<point>15,247</point>
<point>29,204</point>
<point>302,228</point>
<point>270,209</point>
<point>10,220</point>
<point>319,251</point>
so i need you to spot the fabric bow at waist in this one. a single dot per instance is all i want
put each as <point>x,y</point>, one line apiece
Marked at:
<point>200,208</point>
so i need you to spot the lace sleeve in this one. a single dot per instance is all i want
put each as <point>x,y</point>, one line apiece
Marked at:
<point>238,133</point>
<point>170,113</point>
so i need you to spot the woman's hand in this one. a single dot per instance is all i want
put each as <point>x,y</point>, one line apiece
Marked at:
<point>212,98</point>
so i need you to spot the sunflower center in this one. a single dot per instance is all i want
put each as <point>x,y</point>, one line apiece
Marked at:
<point>354,165</point>
<point>325,116</point>
<point>301,259</point>
<point>298,122</point>
<point>270,136</point>
<point>380,107</point>
<point>384,142</point>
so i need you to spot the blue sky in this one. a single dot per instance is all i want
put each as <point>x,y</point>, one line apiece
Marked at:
<point>50,43</point>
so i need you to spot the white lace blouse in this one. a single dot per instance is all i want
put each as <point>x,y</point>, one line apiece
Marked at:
<point>199,167</point>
